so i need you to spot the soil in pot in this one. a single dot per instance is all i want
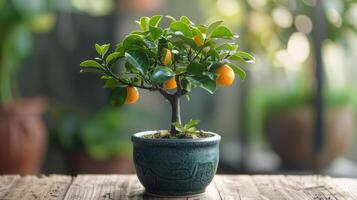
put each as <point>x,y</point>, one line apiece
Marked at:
<point>175,167</point>
<point>81,163</point>
<point>290,132</point>
<point>164,134</point>
<point>23,136</point>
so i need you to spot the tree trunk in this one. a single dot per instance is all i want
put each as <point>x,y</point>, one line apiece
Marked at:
<point>176,113</point>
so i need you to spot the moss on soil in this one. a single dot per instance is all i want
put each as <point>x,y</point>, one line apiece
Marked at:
<point>167,135</point>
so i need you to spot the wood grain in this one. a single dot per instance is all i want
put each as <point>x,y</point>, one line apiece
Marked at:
<point>36,188</point>
<point>225,187</point>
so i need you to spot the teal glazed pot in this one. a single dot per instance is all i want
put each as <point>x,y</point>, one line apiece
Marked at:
<point>175,167</point>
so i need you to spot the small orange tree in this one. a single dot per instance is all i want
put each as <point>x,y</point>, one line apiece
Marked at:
<point>171,60</point>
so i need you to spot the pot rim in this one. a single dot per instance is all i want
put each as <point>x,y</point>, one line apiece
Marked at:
<point>137,138</point>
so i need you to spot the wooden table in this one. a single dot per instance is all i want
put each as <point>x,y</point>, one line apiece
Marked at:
<point>105,187</point>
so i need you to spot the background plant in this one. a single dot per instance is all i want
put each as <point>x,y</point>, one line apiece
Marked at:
<point>18,19</point>
<point>183,52</point>
<point>101,134</point>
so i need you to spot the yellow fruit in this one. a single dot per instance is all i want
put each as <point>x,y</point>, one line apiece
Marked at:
<point>132,95</point>
<point>168,57</point>
<point>225,75</point>
<point>170,84</point>
<point>197,40</point>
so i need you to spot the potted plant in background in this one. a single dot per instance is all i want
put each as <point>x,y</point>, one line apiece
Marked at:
<point>98,144</point>
<point>171,61</point>
<point>288,124</point>
<point>22,132</point>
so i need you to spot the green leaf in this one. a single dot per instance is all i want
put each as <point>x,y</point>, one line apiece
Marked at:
<point>120,49</point>
<point>98,49</point>
<point>245,57</point>
<point>208,84</point>
<point>91,63</point>
<point>203,81</point>
<point>105,48</point>
<point>144,23</point>
<point>222,32</point>
<point>193,81</point>
<point>228,47</point>
<point>180,69</point>
<point>161,74</point>
<point>239,71</point>
<point>155,20</point>
<point>178,127</point>
<point>111,83</point>
<point>155,32</point>
<point>138,59</point>
<point>179,39</point>
<point>118,96</point>
<point>192,123</point>
<point>186,85</point>
<point>212,26</point>
<point>211,75</point>
<point>196,68</point>
<point>182,27</point>
<point>92,70</point>
<point>170,18</point>
<point>213,53</point>
<point>186,20</point>
<point>202,28</point>
<point>112,57</point>
<point>133,41</point>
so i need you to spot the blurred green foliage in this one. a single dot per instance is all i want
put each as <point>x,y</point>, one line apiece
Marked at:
<point>269,27</point>
<point>101,134</point>
<point>18,19</point>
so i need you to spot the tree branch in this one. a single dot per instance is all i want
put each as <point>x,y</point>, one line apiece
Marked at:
<point>110,73</point>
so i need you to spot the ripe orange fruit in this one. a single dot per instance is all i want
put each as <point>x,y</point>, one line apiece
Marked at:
<point>168,57</point>
<point>225,75</point>
<point>197,40</point>
<point>170,84</point>
<point>132,95</point>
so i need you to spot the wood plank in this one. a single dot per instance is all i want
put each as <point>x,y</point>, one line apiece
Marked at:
<point>6,183</point>
<point>346,187</point>
<point>227,187</point>
<point>38,188</point>
<point>105,187</point>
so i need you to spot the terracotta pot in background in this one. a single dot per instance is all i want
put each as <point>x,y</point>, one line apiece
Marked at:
<point>81,163</point>
<point>23,136</point>
<point>139,5</point>
<point>290,133</point>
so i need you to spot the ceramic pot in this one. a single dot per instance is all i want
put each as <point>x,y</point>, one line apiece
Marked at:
<point>175,167</point>
<point>23,136</point>
<point>81,163</point>
<point>291,134</point>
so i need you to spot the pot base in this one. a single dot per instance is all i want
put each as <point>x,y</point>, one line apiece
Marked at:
<point>200,194</point>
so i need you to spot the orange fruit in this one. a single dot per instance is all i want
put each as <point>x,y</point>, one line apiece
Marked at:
<point>132,95</point>
<point>225,75</point>
<point>168,57</point>
<point>170,84</point>
<point>197,40</point>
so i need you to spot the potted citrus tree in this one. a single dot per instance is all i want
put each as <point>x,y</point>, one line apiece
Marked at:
<point>171,61</point>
